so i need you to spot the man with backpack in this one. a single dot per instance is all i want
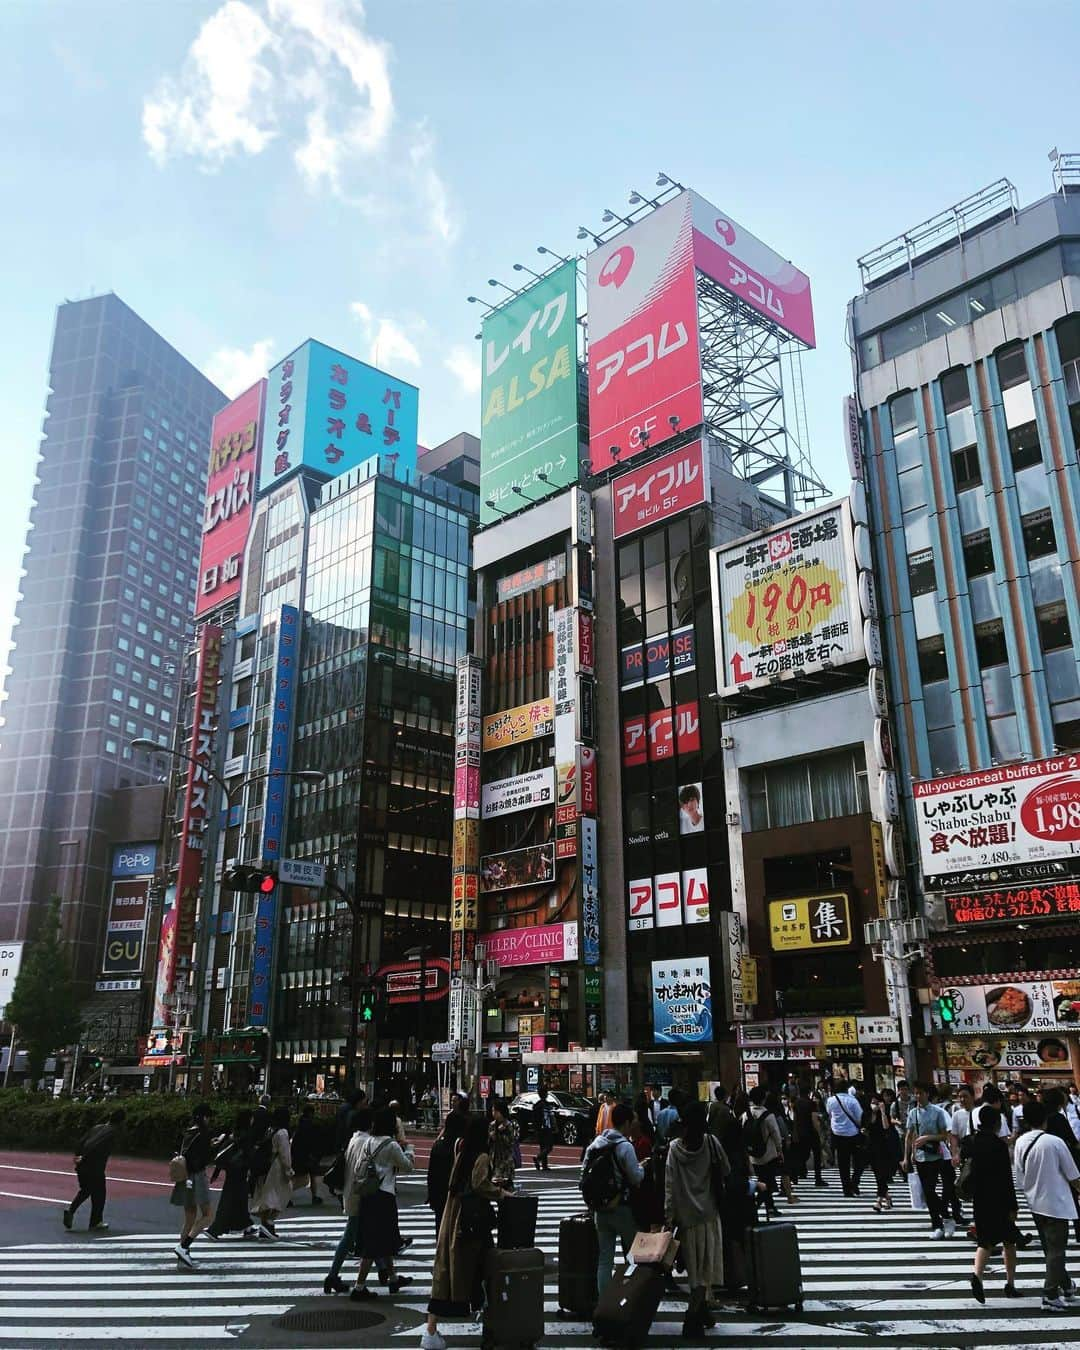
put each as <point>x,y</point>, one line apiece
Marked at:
<point>765,1144</point>
<point>611,1170</point>
<point>90,1163</point>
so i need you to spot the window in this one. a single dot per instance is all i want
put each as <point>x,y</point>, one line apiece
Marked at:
<point>932,663</point>
<point>120,668</point>
<point>117,695</point>
<point>990,648</point>
<point>921,573</point>
<point>965,467</point>
<point>123,643</point>
<point>822,787</point>
<point>111,746</point>
<point>978,555</point>
<point>905,431</point>
<point>134,701</point>
<point>1039,538</point>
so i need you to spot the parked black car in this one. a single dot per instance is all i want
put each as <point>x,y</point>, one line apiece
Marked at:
<point>571,1114</point>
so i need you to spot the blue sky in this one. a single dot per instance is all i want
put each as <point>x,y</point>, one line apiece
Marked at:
<point>250,173</point>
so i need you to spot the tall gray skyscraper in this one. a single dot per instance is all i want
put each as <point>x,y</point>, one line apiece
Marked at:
<point>107,597</point>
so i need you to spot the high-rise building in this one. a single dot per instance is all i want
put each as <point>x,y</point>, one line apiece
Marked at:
<point>110,574</point>
<point>967,356</point>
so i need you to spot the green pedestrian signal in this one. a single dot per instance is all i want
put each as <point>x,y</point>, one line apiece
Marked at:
<point>947,1009</point>
<point>367,1006</point>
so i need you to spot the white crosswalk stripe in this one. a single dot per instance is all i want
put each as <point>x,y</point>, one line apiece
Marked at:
<point>868,1280</point>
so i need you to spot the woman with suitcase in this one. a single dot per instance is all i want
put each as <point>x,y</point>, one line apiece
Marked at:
<point>464,1234</point>
<point>697,1167</point>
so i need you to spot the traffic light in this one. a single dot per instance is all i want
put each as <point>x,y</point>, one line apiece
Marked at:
<point>250,880</point>
<point>367,1006</point>
<point>947,1009</point>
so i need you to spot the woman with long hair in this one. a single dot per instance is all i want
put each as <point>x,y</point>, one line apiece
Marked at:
<point>884,1149</point>
<point>994,1202</point>
<point>274,1192</point>
<point>696,1168</point>
<point>464,1234</point>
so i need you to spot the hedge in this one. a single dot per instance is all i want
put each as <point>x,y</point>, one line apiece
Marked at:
<point>152,1126</point>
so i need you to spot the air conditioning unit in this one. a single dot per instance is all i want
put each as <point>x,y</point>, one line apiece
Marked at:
<point>914,931</point>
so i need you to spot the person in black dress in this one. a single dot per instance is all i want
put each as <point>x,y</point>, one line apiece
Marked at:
<point>884,1150</point>
<point>994,1199</point>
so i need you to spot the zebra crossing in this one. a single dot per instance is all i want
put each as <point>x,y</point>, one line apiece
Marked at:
<point>868,1280</point>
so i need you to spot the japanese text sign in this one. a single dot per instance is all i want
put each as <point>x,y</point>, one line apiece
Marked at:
<point>660,490</point>
<point>658,657</point>
<point>590,894</point>
<point>523,792</point>
<point>682,1001</point>
<point>230,492</point>
<point>330,413</point>
<point>786,602</point>
<point>668,899</point>
<point>1015,813</point>
<point>657,735</point>
<point>529,395</point>
<point>644,355</point>
<point>810,922</point>
<point>1041,1005</point>
<point>1013,904</point>
<point>533,946</point>
<point>523,723</point>
<point>126,928</point>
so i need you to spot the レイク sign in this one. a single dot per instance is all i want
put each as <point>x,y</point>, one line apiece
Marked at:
<point>1016,813</point>
<point>661,489</point>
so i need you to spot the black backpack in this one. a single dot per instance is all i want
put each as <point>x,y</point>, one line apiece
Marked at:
<point>754,1140</point>
<point>601,1178</point>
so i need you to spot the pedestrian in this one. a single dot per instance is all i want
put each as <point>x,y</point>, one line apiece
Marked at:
<point>948,1164</point>
<point>377,1210</point>
<point>274,1191</point>
<point>543,1119</point>
<point>845,1125</point>
<point>655,1102</point>
<point>91,1160</point>
<point>502,1144</point>
<point>668,1118</point>
<point>441,1164</point>
<point>719,1115</point>
<point>697,1168</point>
<point>603,1116</point>
<point>901,1104</point>
<point>927,1130</point>
<point>306,1153</point>
<point>884,1146</point>
<point>993,1198</point>
<point>343,1126</point>
<point>764,1143</point>
<point>1056,1124</point>
<point>646,1200</point>
<point>464,1235</point>
<point>1072,1111</point>
<point>231,1157</point>
<point>1050,1180</point>
<point>193,1192</point>
<point>777,1109</point>
<point>611,1172</point>
<point>807,1108</point>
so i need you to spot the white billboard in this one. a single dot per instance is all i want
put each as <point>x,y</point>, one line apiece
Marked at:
<point>786,601</point>
<point>520,793</point>
<point>10,961</point>
<point>1015,813</point>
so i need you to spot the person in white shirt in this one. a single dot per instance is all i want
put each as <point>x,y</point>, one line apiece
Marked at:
<point>1072,1111</point>
<point>845,1122</point>
<point>1050,1178</point>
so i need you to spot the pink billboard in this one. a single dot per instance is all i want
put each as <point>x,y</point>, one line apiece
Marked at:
<point>644,355</point>
<point>534,946</point>
<point>230,494</point>
<point>662,488</point>
<point>743,265</point>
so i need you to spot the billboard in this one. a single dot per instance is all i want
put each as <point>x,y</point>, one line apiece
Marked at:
<point>523,723</point>
<point>530,578</point>
<point>529,395</point>
<point>330,412</point>
<point>178,922</point>
<point>534,946</point>
<point>125,928</point>
<point>661,489</point>
<point>644,355</point>
<point>786,601</point>
<point>1012,904</point>
<point>523,792</point>
<point>743,265</point>
<point>10,961</point>
<point>657,735</point>
<point>668,900</point>
<point>590,893</point>
<point>1015,813</point>
<point>810,923</point>
<point>682,1001</point>
<point>533,866</point>
<point>658,657</point>
<point>230,491</point>
<point>134,860</point>
<point>1035,1006</point>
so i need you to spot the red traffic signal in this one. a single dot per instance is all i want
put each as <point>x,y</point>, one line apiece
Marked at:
<point>249,880</point>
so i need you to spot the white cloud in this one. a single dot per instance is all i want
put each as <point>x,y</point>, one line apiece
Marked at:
<point>233,369</point>
<point>465,367</point>
<point>430,187</point>
<point>220,104</point>
<point>389,343</point>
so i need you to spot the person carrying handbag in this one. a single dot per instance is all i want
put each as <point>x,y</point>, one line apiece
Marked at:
<point>927,1130</point>
<point>845,1128</point>
<point>694,1179</point>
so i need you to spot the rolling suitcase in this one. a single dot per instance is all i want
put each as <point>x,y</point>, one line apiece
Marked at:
<point>578,1254</point>
<point>627,1307</point>
<point>514,1315</point>
<point>517,1221</point>
<point>773,1268</point>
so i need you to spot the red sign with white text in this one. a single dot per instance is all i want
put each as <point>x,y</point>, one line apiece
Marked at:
<point>230,492</point>
<point>589,786</point>
<point>663,488</point>
<point>644,353</point>
<point>657,735</point>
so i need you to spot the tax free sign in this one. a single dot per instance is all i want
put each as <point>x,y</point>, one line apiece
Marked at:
<point>529,396</point>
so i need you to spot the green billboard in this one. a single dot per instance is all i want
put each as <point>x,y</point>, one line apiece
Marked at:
<point>530,396</point>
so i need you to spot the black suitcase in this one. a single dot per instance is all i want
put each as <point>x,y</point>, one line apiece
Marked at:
<point>627,1307</point>
<point>579,1252</point>
<point>517,1220</point>
<point>773,1268</point>
<point>514,1314</point>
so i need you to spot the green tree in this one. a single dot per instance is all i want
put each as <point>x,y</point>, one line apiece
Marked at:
<point>43,1006</point>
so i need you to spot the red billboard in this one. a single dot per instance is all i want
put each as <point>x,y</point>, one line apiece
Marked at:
<point>663,488</point>
<point>178,923</point>
<point>230,491</point>
<point>658,734</point>
<point>644,354</point>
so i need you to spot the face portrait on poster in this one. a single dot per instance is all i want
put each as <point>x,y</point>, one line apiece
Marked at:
<point>691,809</point>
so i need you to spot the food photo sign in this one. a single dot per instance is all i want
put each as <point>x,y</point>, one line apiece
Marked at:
<point>1042,1005</point>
